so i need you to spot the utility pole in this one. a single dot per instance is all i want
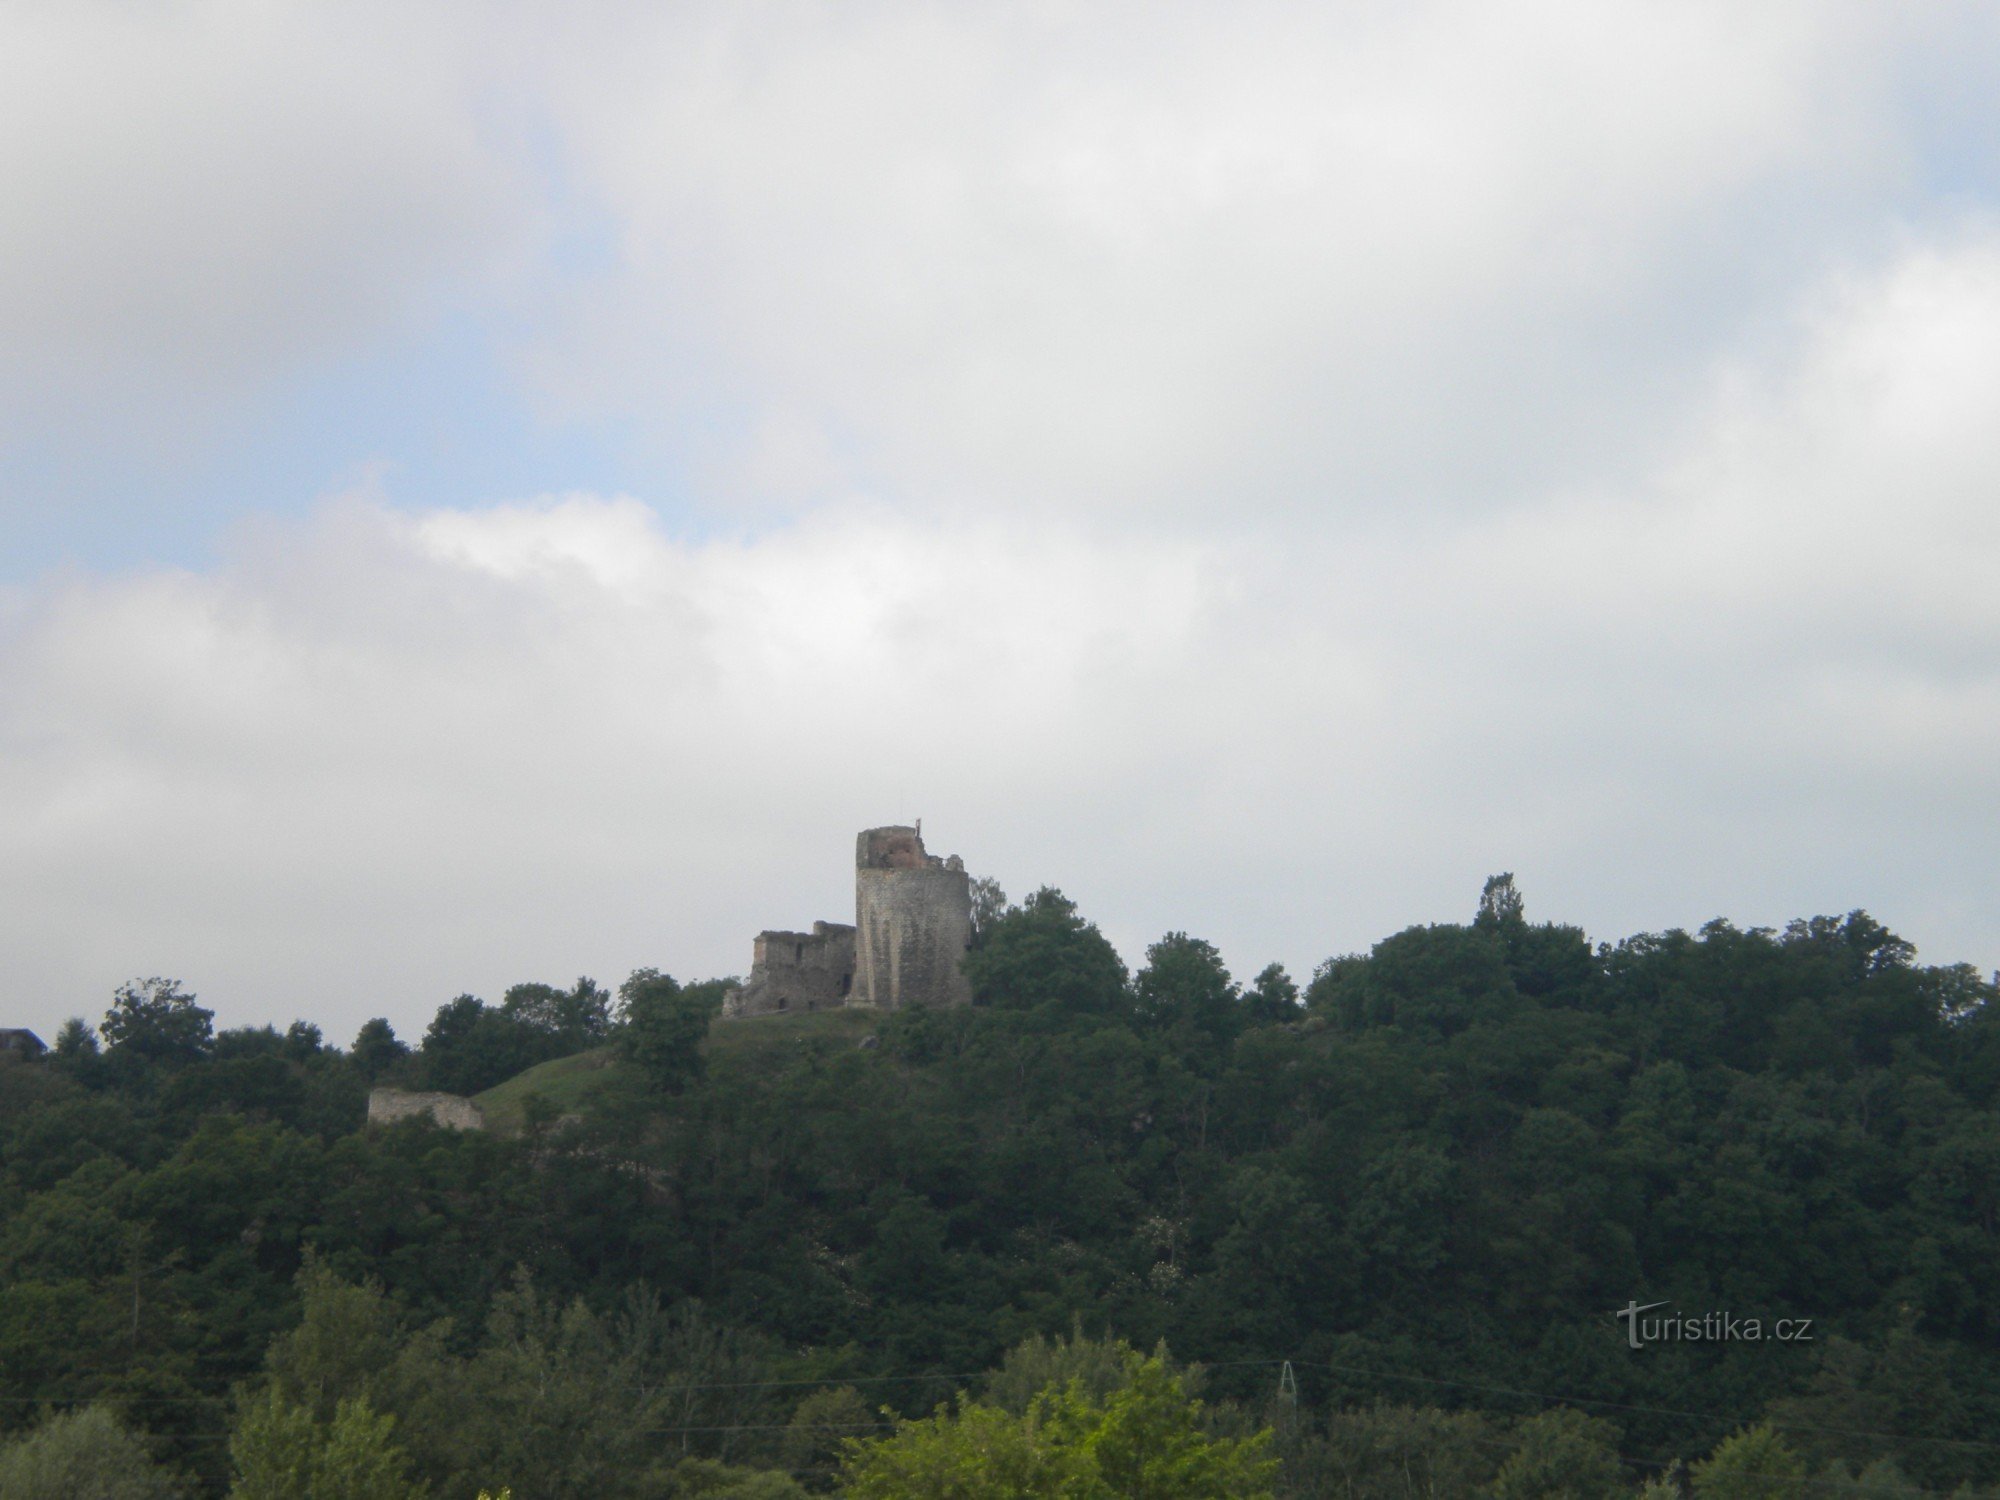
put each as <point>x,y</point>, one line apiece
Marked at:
<point>138,1259</point>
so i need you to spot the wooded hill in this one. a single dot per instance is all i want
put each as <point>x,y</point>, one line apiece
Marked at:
<point>1428,1181</point>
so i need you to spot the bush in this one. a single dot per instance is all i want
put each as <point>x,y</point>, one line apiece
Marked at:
<point>82,1453</point>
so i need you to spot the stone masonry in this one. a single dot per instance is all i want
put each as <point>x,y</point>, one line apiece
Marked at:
<point>914,912</point>
<point>798,971</point>
<point>452,1111</point>
<point>913,920</point>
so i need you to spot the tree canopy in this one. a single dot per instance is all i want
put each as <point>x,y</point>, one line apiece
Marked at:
<point>1390,1220</point>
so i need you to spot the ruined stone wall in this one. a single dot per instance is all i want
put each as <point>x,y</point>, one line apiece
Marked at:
<point>913,915</point>
<point>797,971</point>
<point>452,1111</point>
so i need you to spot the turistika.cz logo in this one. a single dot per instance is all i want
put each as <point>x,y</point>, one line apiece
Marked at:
<point>1709,1328</point>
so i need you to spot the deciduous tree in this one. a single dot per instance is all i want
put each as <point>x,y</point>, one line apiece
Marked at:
<point>155,1019</point>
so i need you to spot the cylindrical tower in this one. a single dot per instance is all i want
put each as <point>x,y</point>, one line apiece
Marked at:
<point>913,921</point>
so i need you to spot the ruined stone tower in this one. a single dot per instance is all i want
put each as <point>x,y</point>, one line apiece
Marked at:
<point>913,920</point>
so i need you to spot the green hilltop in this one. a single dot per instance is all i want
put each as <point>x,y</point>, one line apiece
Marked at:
<point>1391,1214</point>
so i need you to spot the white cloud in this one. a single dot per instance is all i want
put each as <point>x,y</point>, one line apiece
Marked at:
<point>394,754</point>
<point>1262,470</point>
<point>1187,258</point>
<point>372,762</point>
<point>1017,257</point>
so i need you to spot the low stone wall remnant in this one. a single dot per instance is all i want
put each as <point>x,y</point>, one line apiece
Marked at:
<point>452,1111</point>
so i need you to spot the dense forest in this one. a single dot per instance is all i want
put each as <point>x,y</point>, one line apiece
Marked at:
<point>1365,1238</point>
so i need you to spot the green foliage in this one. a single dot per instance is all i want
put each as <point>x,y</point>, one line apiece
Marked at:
<point>155,1020</point>
<point>1385,1452</point>
<point>1755,1464</point>
<point>376,1049</point>
<point>552,1400</point>
<point>583,1081</point>
<point>1095,1368</point>
<point>989,904</point>
<point>664,1027</point>
<point>1901,1396</point>
<point>1479,1140</point>
<point>704,1479</point>
<point>282,1453</point>
<point>1273,999</point>
<point>577,1017</point>
<point>1882,1480</point>
<point>347,1338</point>
<point>1431,981</point>
<point>1043,953</point>
<point>1147,1442</point>
<point>81,1455</point>
<point>1184,986</point>
<point>1500,903</point>
<point>471,1046</point>
<point>1144,1441</point>
<point>1562,1455</point>
<point>977,1453</point>
<point>75,1040</point>
<point>821,1425</point>
<point>303,1041</point>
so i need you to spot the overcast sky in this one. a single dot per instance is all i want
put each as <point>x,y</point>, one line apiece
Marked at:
<point>503,492</point>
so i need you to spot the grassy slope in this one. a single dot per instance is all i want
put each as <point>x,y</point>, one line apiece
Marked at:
<point>566,1082</point>
<point>747,1038</point>
<point>570,1083</point>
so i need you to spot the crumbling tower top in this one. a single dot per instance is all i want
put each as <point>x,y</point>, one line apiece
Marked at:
<point>896,847</point>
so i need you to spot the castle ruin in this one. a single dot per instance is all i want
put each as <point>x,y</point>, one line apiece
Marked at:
<point>912,923</point>
<point>451,1111</point>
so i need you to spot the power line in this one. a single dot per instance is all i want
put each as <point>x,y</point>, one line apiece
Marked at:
<point>1661,1411</point>
<point>668,1390</point>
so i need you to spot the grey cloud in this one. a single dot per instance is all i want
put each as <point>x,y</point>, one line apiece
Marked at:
<point>396,754</point>
<point>1182,259</point>
<point>203,199</point>
<point>1263,474</point>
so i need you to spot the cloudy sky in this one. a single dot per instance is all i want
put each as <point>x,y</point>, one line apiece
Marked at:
<point>505,491</point>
